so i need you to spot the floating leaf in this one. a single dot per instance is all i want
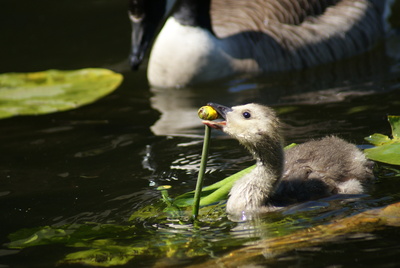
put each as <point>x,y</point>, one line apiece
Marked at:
<point>53,90</point>
<point>387,149</point>
<point>378,139</point>
<point>388,153</point>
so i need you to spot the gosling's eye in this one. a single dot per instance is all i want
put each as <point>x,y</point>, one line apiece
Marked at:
<point>246,115</point>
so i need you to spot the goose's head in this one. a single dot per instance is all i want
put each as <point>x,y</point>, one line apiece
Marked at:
<point>253,125</point>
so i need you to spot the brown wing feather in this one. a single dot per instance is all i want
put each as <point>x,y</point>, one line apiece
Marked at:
<point>304,32</point>
<point>231,17</point>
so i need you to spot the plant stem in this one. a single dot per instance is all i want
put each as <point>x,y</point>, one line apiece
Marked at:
<point>200,177</point>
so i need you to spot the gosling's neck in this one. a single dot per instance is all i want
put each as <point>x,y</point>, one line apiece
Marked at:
<point>269,155</point>
<point>252,192</point>
<point>269,158</point>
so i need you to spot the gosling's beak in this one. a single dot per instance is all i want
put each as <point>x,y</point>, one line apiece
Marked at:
<point>222,112</point>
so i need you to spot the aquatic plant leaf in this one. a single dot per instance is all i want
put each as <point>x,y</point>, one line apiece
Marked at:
<point>105,255</point>
<point>395,124</point>
<point>154,210</point>
<point>387,149</point>
<point>67,234</point>
<point>98,238</point>
<point>102,252</point>
<point>213,193</point>
<point>378,139</point>
<point>53,90</point>
<point>38,236</point>
<point>387,153</point>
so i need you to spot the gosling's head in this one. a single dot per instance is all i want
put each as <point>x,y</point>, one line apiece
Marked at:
<point>253,125</point>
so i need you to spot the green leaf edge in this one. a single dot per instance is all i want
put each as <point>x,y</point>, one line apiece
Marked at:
<point>384,152</point>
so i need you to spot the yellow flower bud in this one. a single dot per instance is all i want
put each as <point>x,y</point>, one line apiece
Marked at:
<point>207,113</point>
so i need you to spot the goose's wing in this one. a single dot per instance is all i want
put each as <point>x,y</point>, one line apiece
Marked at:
<point>231,17</point>
<point>308,32</point>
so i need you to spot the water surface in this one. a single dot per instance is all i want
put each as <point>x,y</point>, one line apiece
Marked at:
<point>102,162</point>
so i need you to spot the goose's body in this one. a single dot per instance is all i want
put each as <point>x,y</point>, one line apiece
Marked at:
<point>309,171</point>
<point>205,40</point>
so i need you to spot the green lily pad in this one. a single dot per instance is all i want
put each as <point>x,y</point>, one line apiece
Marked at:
<point>387,153</point>
<point>387,149</point>
<point>53,90</point>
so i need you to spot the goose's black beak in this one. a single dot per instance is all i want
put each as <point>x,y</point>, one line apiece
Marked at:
<point>139,42</point>
<point>222,112</point>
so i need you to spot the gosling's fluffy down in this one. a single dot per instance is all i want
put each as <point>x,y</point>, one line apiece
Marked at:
<point>321,168</point>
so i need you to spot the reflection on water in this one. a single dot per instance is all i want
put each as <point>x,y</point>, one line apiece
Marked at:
<point>121,141</point>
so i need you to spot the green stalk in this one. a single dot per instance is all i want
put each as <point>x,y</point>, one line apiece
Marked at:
<point>200,177</point>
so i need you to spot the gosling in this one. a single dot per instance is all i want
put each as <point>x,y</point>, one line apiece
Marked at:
<point>309,171</point>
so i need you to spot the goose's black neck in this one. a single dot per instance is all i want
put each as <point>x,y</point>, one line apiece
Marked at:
<point>193,13</point>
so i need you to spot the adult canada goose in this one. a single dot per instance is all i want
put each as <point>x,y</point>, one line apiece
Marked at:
<point>312,170</point>
<point>204,40</point>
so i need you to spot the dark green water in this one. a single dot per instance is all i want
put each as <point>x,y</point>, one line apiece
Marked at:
<point>102,162</point>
